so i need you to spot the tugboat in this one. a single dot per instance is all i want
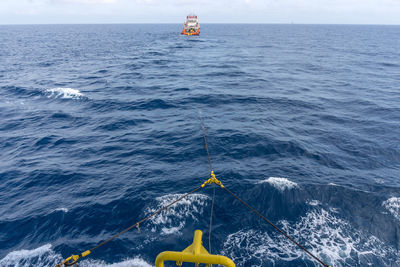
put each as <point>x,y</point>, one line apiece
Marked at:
<point>191,25</point>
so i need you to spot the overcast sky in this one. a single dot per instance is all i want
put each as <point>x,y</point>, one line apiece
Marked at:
<point>209,11</point>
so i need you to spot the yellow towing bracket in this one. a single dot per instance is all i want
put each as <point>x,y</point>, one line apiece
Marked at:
<point>195,253</point>
<point>214,180</point>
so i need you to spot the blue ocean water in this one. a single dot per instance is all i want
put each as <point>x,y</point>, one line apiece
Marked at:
<point>100,125</point>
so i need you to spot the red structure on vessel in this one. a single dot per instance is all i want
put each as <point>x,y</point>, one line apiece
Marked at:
<point>191,25</point>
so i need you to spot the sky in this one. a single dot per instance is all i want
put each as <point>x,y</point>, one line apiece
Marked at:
<point>208,11</point>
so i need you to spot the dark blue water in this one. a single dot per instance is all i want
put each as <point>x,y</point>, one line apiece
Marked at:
<point>100,125</point>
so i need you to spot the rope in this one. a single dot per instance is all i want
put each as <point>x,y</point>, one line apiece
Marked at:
<point>277,228</point>
<point>211,216</point>
<point>205,141</point>
<point>75,258</point>
<point>211,169</point>
<point>213,179</point>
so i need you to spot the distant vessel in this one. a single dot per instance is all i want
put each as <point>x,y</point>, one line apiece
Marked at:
<point>191,25</point>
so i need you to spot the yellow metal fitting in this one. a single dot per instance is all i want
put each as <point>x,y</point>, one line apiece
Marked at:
<point>73,259</point>
<point>214,180</point>
<point>84,254</point>
<point>194,253</point>
<point>70,260</point>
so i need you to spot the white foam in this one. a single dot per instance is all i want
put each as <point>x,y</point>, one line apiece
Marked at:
<point>314,202</point>
<point>393,206</point>
<point>62,209</point>
<point>173,220</point>
<point>330,238</point>
<point>41,256</point>
<point>136,262</point>
<point>379,180</point>
<point>63,93</point>
<point>280,183</point>
<point>46,257</point>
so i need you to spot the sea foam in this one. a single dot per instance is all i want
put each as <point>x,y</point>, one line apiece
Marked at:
<point>313,202</point>
<point>41,256</point>
<point>173,220</point>
<point>332,239</point>
<point>280,183</point>
<point>135,262</point>
<point>393,206</point>
<point>46,257</point>
<point>63,93</point>
<point>62,209</point>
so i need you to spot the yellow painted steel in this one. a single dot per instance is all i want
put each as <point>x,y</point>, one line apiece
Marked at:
<point>73,259</point>
<point>195,253</point>
<point>214,180</point>
<point>84,254</point>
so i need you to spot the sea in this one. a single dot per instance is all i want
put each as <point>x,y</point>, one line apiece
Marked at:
<point>100,125</point>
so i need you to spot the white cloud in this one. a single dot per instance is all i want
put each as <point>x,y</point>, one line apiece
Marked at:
<point>86,1</point>
<point>167,11</point>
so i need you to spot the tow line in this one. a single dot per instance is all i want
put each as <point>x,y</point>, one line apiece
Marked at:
<point>196,252</point>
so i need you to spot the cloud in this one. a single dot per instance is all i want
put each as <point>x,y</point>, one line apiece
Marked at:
<point>177,2</point>
<point>85,1</point>
<point>225,11</point>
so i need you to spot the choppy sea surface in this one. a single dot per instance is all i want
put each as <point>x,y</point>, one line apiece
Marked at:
<point>100,126</point>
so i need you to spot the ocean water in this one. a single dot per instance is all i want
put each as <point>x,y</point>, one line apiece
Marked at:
<point>100,126</point>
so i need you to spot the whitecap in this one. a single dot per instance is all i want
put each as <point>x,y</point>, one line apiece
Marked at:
<point>173,220</point>
<point>41,256</point>
<point>135,262</point>
<point>62,209</point>
<point>314,202</point>
<point>329,237</point>
<point>172,230</point>
<point>63,93</point>
<point>46,257</point>
<point>280,183</point>
<point>393,206</point>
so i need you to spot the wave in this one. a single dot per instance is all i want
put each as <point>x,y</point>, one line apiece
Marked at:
<point>46,256</point>
<point>143,104</point>
<point>42,256</point>
<point>332,239</point>
<point>65,210</point>
<point>393,206</point>
<point>63,93</point>
<point>173,220</point>
<point>314,202</point>
<point>280,183</point>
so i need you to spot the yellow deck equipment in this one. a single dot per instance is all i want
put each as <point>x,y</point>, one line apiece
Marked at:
<point>194,253</point>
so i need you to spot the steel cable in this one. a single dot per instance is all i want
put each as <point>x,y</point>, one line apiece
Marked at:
<point>277,228</point>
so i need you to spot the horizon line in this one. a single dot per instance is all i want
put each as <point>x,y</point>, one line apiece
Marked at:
<point>222,23</point>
